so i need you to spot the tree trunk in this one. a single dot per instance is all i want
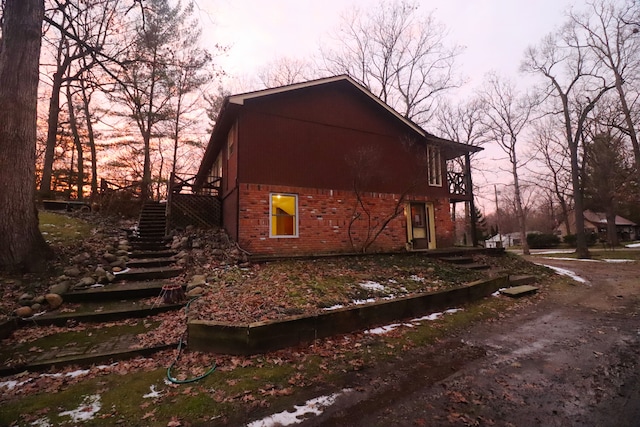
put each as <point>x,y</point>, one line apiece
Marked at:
<point>21,243</point>
<point>91,139</point>
<point>612,232</point>
<point>52,134</point>
<point>78,143</point>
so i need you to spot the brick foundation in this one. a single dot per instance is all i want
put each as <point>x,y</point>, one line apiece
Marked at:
<point>324,221</point>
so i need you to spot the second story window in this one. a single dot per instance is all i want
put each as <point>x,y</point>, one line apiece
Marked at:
<point>434,166</point>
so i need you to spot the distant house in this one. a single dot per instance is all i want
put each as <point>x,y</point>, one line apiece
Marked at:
<point>325,166</point>
<point>503,240</point>
<point>596,223</point>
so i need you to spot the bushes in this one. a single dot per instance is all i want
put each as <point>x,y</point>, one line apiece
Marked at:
<point>541,241</point>
<point>570,239</point>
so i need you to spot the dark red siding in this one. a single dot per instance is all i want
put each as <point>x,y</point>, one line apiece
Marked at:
<point>331,137</point>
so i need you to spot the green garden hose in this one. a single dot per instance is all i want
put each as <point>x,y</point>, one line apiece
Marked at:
<point>190,380</point>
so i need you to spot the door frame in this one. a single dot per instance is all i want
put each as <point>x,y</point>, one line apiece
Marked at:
<point>430,228</point>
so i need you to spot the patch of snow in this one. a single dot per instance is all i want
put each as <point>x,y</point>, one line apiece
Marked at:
<point>153,394</point>
<point>333,307</point>
<point>388,328</point>
<point>42,422</point>
<point>416,278</point>
<point>382,329</point>
<point>363,301</point>
<point>497,293</point>
<point>68,374</point>
<point>617,260</point>
<point>571,259</point>
<point>565,272</point>
<point>372,286</point>
<point>87,409</point>
<point>10,385</point>
<point>97,285</point>
<point>633,245</point>
<point>285,418</point>
<point>558,251</point>
<point>393,281</point>
<point>120,272</point>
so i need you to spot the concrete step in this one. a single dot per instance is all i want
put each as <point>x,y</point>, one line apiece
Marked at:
<point>522,280</point>
<point>165,253</point>
<point>475,266</point>
<point>519,291</point>
<point>149,246</point>
<point>104,311</point>
<point>152,273</point>
<point>117,292</point>
<point>458,260</point>
<point>150,262</point>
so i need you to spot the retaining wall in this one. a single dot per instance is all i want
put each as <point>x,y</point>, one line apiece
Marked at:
<point>261,337</point>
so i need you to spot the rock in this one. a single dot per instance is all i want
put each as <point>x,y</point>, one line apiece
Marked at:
<point>118,263</point>
<point>117,269</point>
<point>72,271</point>
<point>81,258</point>
<point>40,299</point>
<point>36,307</point>
<point>198,280</point>
<point>122,252</point>
<point>60,288</point>
<point>86,281</point>
<point>26,297</point>
<point>110,276</point>
<point>24,312</point>
<point>109,257</point>
<point>100,271</point>
<point>217,252</point>
<point>54,300</point>
<point>183,254</point>
<point>195,292</point>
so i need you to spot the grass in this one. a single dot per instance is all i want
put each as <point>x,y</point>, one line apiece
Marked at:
<point>62,229</point>
<point>242,388</point>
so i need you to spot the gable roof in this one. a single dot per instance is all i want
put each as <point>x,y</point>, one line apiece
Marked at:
<point>233,103</point>
<point>601,218</point>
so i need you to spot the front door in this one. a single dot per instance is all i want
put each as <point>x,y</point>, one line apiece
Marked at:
<point>420,226</point>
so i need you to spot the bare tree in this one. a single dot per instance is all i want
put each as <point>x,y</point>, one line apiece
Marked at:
<point>554,155</point>
<point>614,40</point>
<point>463,123</point>
<point>576,84</point>
<point>286,71</point>
<point>21,243</point>
<point>399,55</point>
<point>508,113</point>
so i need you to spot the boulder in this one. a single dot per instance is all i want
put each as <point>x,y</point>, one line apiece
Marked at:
<point>109,257</point>
<point>26,297</point>
<point>24,312</point>
<point>72,271</point>
<point>36,307</point>
<point>40,299</point>
<point>100,271</point>
<point>54,300</point>
<point>60,288</point>
<point>86,281</point>
<point>197,291</point>
<point>198,280</point>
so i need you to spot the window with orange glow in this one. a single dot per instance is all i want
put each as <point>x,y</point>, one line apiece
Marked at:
<point>283,215</point>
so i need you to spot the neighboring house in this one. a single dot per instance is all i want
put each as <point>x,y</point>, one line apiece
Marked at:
<point>503,240</point>
<point>596,223</point>
<point>325,166</point>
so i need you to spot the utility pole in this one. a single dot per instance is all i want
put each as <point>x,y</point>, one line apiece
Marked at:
<point>495,190</point>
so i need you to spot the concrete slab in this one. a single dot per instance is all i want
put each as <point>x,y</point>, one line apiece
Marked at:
<point>519,291</point>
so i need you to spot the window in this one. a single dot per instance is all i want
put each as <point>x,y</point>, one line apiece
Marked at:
<point>231,140</point>
<point>283,215</point>
<point>434,166</point>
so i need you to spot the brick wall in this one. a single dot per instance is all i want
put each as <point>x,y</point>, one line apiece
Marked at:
<point>324,221</point>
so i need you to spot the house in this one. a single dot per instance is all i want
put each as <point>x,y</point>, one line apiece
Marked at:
<point>324,166</point>
<point>503,240</point>
<point>596,223</point>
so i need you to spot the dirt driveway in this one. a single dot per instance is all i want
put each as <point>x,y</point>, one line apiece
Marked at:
<point>571,359</point>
